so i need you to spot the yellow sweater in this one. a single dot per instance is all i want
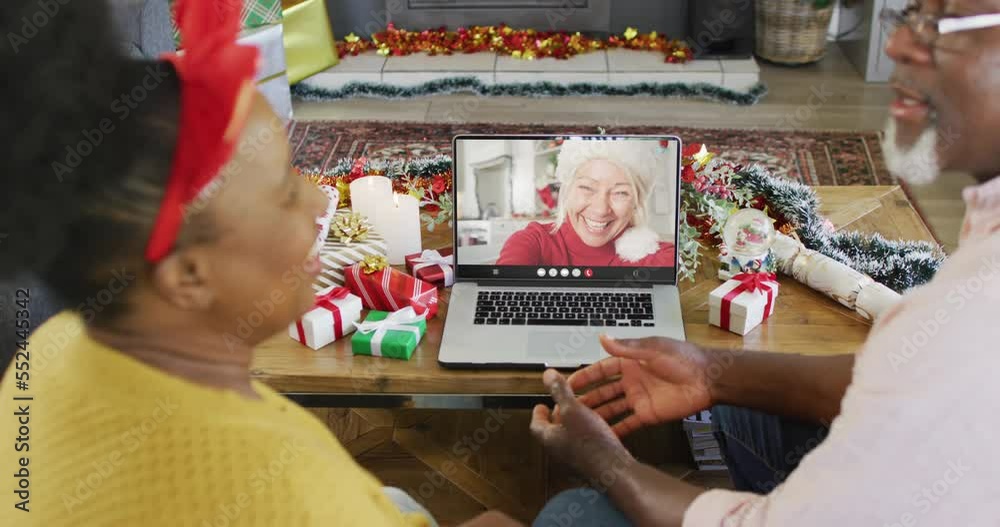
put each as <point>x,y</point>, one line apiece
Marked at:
<point>111,441</point>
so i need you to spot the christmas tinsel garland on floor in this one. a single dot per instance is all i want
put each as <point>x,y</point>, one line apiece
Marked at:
<point>474,86</point>
<point>526,44</point>
<point>899,265</point>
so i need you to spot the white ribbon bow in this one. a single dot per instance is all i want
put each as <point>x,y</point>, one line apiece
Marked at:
<point>397,321</point>
<point>430,258</point>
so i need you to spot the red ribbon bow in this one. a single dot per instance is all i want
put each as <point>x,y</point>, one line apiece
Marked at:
<point>754,281</point>
<point>325,301</point>
<point>337,293</point>
<point>748,282</point>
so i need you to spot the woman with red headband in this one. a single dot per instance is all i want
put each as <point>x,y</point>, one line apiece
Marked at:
<point>157,199</point>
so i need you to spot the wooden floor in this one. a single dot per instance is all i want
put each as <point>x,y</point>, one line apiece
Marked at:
<point>830,95</point>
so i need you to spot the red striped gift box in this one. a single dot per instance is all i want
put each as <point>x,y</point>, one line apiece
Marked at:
<point>392,290</point>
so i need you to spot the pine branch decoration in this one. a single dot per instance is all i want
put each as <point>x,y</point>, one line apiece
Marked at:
<point>899,265</point>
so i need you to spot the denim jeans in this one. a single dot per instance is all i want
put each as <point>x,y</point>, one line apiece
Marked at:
<point>572,508</point>
<point>583,507</point>
<point>761,450</point>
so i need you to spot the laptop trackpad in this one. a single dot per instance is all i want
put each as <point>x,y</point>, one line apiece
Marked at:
<point>561,348</point>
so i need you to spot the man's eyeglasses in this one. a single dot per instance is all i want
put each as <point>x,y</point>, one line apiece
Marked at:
<point>928,28</point>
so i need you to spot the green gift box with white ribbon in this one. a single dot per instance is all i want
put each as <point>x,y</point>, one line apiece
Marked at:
<point>394,335</point>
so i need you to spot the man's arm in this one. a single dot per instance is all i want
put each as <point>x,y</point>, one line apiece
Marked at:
<point>800,386</point>
<point>650,497</point>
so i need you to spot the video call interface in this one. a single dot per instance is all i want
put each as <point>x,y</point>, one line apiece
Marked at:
<point>566,206</point>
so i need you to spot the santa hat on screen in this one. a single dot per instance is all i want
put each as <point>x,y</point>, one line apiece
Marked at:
<point>642,160</point>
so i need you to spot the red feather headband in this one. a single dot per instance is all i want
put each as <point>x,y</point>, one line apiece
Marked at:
<point>216,82</point>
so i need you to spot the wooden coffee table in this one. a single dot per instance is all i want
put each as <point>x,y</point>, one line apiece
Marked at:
<point>804,321</point>
<point>458,441</point>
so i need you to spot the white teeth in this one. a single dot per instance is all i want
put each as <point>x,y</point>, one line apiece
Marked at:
<point>593,225</point>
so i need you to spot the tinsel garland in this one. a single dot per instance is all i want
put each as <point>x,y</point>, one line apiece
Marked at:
<point>898,265</point>
<point>527,44</point>
<point>427,179</point>
<point>474,86</point>
<point>398,169</point>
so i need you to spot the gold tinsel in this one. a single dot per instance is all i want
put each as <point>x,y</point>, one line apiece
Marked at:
<point>525,44</point>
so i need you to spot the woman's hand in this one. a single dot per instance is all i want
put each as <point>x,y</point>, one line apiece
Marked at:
<point>576,436</point>
<point>645,382</point>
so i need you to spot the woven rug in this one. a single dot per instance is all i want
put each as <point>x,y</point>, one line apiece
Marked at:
<point>811,157</point>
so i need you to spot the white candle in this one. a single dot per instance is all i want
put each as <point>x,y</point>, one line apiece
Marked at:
<point>398,220</point>
<point>367,192</point>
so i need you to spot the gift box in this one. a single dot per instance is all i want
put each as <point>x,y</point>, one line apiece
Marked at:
<point>743,303</point>
<point>309,44</point>
<point>830,277</point>
<point>253,13</point>
<point>272,76</point>
<point>385,289</point>
<point>336,314</point>
<point>436,267</point>
<point>337,254</point>
<point>394,335</point>
<point>260,12</point>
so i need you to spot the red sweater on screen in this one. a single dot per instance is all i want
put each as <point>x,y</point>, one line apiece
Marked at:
<point>536,244</point>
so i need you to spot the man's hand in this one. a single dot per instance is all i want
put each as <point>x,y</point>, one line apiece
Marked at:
<point>576,436</point>
<point>645,382</point>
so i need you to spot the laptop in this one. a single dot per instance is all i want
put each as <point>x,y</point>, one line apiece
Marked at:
<point>557,240</point>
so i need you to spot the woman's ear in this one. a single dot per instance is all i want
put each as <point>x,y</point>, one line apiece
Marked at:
<point>183,279</point>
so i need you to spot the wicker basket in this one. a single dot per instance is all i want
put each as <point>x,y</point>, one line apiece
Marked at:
<point>792,31</point>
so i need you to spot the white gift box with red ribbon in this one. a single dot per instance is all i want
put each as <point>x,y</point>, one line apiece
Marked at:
<point>336,313</point>
<point>743,303</point>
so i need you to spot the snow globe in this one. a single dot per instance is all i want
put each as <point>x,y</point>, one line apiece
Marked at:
<point>747,238</point>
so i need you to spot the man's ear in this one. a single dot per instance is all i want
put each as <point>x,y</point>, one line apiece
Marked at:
<point>184,279</point>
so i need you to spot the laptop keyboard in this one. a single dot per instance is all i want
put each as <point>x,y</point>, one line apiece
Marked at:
<point>544,308</point>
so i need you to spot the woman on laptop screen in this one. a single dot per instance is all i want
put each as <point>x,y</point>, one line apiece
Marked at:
<point>602,215</point>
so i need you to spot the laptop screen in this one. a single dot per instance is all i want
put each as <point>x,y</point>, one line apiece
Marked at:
<point>580,210</point>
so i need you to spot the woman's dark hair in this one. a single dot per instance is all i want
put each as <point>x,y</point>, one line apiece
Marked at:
<point>89,138</point>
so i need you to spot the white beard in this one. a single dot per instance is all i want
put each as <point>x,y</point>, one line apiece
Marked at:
<point>919,164</point>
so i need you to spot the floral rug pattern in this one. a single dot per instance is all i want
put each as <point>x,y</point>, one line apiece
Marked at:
<point>810,157</point>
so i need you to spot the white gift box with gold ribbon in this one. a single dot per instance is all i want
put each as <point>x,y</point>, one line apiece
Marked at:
<point>272,77</point>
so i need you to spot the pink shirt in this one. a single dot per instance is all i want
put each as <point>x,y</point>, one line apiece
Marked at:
<point>536,244</point>
<point>915,442</point>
